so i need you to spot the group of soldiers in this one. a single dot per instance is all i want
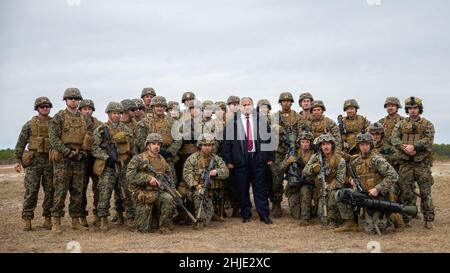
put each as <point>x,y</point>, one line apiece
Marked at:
<point>164,164</point>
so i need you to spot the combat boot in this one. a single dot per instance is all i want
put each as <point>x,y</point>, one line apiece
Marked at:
<point>429,225</point>
<point>303,222</point>
<point>76,224</point>
<point>120,221</point>
<point>276,210</point>
<point>399,224</point>
<point>96,222</point>
<point>130,222</point>
<point>56,225</point>
<point>349,226</point>
<point>165,230</point>
<point>27,225</point>
<point>217,218</point>
<point>104,224</point>
<point>236,213</point>
<point>84,222</point>
<point>115,217</point>
<point>47,223</point>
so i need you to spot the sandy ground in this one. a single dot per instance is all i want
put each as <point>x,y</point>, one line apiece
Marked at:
<point>285,235</point>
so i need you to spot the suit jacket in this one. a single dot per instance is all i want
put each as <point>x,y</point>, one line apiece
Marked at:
<point>234,148</point>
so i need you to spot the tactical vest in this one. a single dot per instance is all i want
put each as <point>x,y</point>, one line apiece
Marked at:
<point>74,130</point>
<point>354,127</point>
<point>119,137</point>
<point>319,127</point>
<point>161,126</point>
<point>158,165</point>
<point>332,164</point>
<point>202,164</point>
<point>413,131</point>
<point>39,141</point>
<point>190,135</point>
<point>388,125</point>
<point>365,169</point>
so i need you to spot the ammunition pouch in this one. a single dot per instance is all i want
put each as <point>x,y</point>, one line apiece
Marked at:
<point>27,158</point>
<point>146,197</point>
<point>99,166</point>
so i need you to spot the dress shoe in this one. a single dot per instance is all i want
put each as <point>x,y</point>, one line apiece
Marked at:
<point>266,221</point>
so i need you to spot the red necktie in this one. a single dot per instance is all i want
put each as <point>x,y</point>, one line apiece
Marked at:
<point>249,135</point>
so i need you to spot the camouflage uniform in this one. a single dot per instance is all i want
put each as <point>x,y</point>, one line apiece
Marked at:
<point>148,91</point>
<point>335,180</point>
<point>38,170</point>
<point>193,169</point>
<point>374,172</point>
<point>321,126</point>
<point>150,201</point>
<point>300,198</point>
<point>302,115</point>
<point>284,120</point>
<point>113,178</point>
<point>389,122</point>
<point>67,134</point>
<point>354,126</point>
<point>419,133</point>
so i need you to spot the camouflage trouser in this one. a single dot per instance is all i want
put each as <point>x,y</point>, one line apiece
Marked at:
<point>144,212</point>
<point>377,218</point>
<point>294,201</point>
<point>276,190</point>
<point>90,175</point>
<point>109,181</point>
<point>336,211</point>
<point>68,176</point>
<point>39,172</point>
<point>231,193</point>
<point>409,173</point>
<point>207,209</point>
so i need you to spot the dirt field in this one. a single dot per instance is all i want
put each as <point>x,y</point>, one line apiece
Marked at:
<point>232,236</point>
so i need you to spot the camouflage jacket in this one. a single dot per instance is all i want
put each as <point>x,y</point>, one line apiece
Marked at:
<point>23,140</point>
<point>197,163</point>
<point>321,126</point>
<point>336,166</point>
<point>126,148</point>
<point>389,123</point>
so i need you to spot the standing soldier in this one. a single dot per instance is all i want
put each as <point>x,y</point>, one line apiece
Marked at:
<point>129,110</point>
<point>208,110</point>
<point>146,95</point>
<point>67,134</point>
<point>194,167</point>
<point>413,137</point>
<point>112,149</point>
<point>87,108</point>
<point>350,127</point>
<point>392,105</point>
<point>300,194</point>
<point>185,99</point>
<point>334,173</point>
<point>319,124</point>
<point>139,113</point>
<point>377,178</point>
<point>287,121</point>
<point>149,199</point>
<point>173,110</point>
<point>158,122</point>
<point>233,103</point>
<point>36,162</point>
<point>304,101</point>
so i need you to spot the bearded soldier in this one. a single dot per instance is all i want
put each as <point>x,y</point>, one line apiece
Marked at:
<point>392,105</point>
<point>377,177</point>
<point>38,169</point>
<point>193,170</point>
<point>146,95</point>
<point>334,179</point>
<point>112,149</point>
<point>300,194</point>
<point>413,137</point>
<point>150,200</point>
<point>352,125</point>
<point>318,124</point>
<point>87,108</point>
<point>287,122</point>
<point>68,135</point>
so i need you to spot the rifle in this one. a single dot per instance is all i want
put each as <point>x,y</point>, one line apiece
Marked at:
<point>294,179</point>
<point>324,172</point>
<point>206,183</point>
<point>342,129</point>
<point>112,150</point>
<point>164,185</point>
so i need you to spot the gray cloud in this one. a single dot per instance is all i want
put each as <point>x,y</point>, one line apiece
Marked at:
<point>335,49</point>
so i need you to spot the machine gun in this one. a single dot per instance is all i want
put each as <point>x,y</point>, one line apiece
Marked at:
<point>165,185</point>
<point>206,179</point>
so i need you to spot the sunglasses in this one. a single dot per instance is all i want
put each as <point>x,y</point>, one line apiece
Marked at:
<point>141,108</point>
<point>44,107</point>
<point>133,109</point>
<point>72,98</point>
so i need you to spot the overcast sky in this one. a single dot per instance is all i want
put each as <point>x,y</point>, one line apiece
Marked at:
<point>336,50</point>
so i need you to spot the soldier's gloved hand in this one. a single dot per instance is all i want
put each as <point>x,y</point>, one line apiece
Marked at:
<point>73,155</point>
<point>316,168</point>
<point>291,159</point>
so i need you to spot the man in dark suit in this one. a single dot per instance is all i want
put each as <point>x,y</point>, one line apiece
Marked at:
<point>247,151</point>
